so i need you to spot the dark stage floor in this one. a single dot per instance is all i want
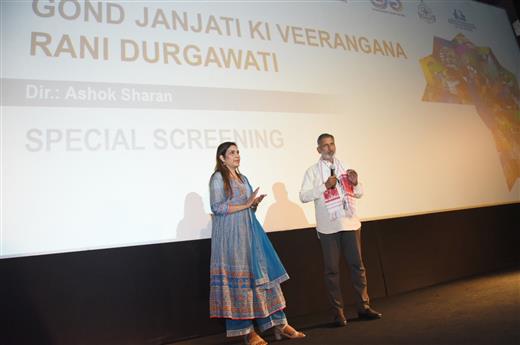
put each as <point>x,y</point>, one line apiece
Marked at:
<point>477,310</point>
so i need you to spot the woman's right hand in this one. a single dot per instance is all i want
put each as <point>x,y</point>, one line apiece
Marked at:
<point>249,202</point>
<point>252,198</point>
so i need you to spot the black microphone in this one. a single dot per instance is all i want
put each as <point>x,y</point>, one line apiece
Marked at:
<point>332,170</point>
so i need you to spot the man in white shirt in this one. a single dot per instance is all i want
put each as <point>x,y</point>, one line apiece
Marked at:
<point>334,191</point>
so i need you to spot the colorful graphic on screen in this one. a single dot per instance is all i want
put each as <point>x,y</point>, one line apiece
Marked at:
<point>460,72</point>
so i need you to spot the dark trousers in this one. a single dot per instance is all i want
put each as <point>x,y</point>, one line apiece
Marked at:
<point>349,244</point>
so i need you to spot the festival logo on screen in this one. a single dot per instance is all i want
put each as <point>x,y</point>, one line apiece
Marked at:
<point>460,21</point>
<point>460,72</point>
<point>425,13</point>
<point>388,6</point>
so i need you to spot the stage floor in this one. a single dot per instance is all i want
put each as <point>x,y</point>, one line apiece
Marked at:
<point>477,310</point>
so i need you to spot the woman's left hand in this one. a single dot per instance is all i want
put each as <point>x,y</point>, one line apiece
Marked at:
<point>258,200</point>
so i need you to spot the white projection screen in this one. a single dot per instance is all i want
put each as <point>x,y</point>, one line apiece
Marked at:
<point>112,111</point>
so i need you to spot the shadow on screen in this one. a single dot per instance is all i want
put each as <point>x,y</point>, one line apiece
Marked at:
<point>283,213</point>
<point>196,223</point>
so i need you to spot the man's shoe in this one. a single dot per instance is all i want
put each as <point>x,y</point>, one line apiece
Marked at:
<point>340,321</point>
<point>369,314</point>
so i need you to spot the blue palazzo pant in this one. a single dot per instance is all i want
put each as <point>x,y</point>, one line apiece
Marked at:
<point>241,327</point>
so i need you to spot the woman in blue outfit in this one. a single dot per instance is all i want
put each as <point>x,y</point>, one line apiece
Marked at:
<point>245,271</point>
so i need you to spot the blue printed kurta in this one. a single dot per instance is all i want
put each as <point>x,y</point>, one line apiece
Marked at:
<point>245,272</point>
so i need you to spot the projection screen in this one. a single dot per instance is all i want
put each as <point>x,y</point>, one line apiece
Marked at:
<point>112,111</point>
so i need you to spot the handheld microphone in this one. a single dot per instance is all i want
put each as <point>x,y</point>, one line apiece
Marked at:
<point>332,170</point>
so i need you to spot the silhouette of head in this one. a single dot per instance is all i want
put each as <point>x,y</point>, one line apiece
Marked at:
<point>279,191</point>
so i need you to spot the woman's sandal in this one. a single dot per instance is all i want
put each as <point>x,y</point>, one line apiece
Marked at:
<point>288,332</point>
<point>254,339</point>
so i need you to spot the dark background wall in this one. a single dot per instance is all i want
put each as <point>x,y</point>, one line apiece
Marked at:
<point>157,294</point>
